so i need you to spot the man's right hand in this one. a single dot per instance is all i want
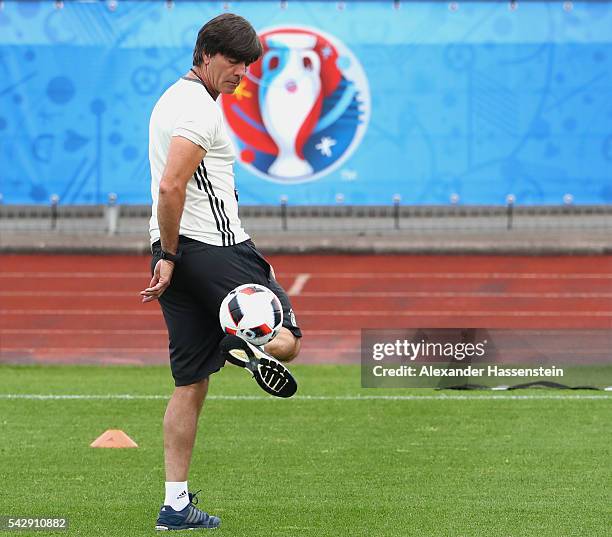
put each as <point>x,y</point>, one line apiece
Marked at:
<point>162,276</point>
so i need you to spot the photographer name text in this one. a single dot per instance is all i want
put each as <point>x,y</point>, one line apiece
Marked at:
<point>468,371</point>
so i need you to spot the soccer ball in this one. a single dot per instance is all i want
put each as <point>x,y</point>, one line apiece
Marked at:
<point>252,312</point>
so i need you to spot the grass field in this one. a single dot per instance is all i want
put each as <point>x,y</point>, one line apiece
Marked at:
<point>437,464</point>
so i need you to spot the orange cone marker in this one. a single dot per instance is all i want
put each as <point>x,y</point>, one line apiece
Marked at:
<point>113,438</point>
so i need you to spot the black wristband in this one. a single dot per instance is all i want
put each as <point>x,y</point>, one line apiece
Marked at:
<point>175,258</point>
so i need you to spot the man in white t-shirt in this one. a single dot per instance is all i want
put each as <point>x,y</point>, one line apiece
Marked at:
<point>200,250</point>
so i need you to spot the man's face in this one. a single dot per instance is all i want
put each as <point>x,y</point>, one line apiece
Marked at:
<point>225,73</point>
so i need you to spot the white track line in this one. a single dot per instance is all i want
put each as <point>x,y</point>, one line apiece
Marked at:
<point>463,275</point>
<point>45,351</point>
<point>441,397</point>
<point>298,284</point>
<point>70,275</point>
<point>124,312</point>
<point>343,275</point>
<point>309,333</point>
<point>447,294</point>
<point>448,313</point>
<point>297,290</point>
<point>75,293</point>
<point>148,332</point>
<point>334,313</point>
<point>144,356</point>
<point>77,331</point>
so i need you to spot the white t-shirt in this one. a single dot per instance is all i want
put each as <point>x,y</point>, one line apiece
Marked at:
<point>210,214</point>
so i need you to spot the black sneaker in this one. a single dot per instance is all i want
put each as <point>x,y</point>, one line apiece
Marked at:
<point>190,518</point>
<point>271,375</point>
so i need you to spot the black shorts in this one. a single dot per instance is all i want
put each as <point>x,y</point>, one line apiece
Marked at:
<point>200,282</point>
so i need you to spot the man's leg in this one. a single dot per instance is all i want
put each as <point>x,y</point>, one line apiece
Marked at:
<point>193,340</point>
<point>265,364</point>
<point>285,346</point>
<point>180,426</point>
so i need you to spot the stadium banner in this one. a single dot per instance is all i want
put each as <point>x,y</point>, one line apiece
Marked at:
<point>370,100</point>
<point>480,358</point>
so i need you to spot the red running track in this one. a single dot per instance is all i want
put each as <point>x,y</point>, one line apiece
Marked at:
<point>87,309</point>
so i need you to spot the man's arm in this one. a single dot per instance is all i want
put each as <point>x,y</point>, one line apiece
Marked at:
<point>183,159</point>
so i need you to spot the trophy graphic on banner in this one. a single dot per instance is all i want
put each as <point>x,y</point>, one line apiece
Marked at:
<point>302,109</point>
<point>290,87</point>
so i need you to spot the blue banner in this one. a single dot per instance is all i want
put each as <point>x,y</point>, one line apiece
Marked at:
<point>365,99</point>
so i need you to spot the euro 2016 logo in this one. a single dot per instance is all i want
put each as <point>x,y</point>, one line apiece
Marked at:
<point>302,109</point>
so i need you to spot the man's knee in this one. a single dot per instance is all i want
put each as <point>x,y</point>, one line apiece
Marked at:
<point>191,395</point>
<point>285,346</point>
<point>293,349</point>
<point>297,347</point>
<point>195,389</point>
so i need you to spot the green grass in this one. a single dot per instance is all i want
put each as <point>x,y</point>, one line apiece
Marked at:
<point>309,467</point>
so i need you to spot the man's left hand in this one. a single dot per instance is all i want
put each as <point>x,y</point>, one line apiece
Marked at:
<point>162,276</point>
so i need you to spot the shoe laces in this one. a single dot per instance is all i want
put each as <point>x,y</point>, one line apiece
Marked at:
<point>193,499</point>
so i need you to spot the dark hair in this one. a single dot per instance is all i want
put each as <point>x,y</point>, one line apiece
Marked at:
<point>230,35</point>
